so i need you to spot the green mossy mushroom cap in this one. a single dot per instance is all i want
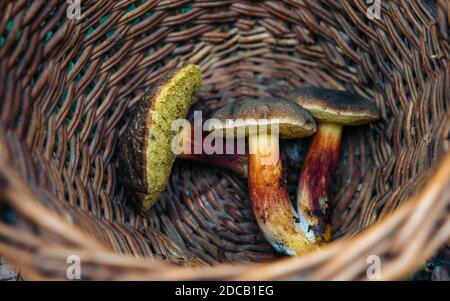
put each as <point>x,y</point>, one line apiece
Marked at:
<point>249,115</point>
<point>146,156</point>
<point>333,106</point>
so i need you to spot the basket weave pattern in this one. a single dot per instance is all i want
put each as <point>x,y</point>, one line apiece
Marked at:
<point>68,87</point>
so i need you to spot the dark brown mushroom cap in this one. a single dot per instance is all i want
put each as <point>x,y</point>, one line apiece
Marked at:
<point>248,116</point>
<point>335,106</point>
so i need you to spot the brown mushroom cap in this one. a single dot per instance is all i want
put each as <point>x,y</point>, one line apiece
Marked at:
<point>335,106</point>
<point>145,156</point>
<point>248,115</point>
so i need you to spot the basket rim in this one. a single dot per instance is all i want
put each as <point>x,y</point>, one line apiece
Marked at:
<point>403,222</point>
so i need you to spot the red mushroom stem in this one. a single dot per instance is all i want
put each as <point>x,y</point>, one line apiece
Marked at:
<point>234,162</point>
<point>270,200</point>
<point>317,173</point>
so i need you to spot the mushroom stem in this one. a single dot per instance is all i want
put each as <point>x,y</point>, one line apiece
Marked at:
<point>270,200</point>
<point>315,178</point>
<point>234,162</point>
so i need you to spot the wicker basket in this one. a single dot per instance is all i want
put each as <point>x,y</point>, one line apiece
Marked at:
<point>68,85</point>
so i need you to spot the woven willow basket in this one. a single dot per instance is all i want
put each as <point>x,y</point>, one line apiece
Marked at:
<point>68,86</point>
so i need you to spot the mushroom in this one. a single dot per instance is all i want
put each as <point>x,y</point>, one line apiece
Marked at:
<point>145,156</point>
<point>264,120</point>
<point>332,110</point>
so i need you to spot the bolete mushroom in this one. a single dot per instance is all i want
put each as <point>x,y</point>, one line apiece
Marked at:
<point>264,120</point>
<point>145,156</point>
<point>332,110</point>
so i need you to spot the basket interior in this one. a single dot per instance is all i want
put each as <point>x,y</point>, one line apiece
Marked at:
<point>71,85</point>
